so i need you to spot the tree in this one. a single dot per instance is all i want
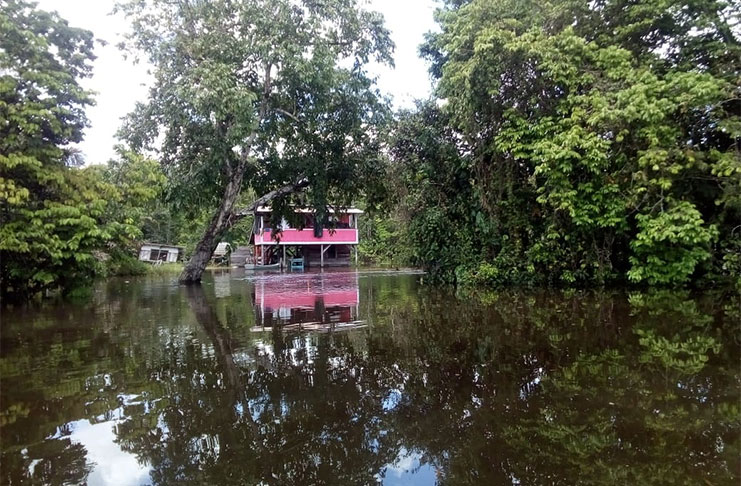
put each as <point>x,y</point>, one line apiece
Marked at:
<point>433,182</point>
<point>603,137</point>
<point>51,211</point>
<point>142,184</point>
<point>267,94</point>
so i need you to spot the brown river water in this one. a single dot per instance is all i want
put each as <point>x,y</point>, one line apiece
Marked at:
<point>369,377</point>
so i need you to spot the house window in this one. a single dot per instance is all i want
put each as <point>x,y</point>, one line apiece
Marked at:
<point>155,255</point>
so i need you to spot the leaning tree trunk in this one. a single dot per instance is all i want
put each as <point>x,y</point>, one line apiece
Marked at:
<point>220,222</point>
<point>223,220</point>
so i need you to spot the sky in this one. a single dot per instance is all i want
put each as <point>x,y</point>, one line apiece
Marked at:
<point>119,83</point>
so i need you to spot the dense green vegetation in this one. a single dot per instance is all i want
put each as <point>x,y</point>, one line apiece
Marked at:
<point>567,142</point>
<point>64,224</point>
<point>575,142</point>
<point>54,215</point>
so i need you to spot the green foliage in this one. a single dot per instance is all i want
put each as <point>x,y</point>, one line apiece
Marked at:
<point>731,260</point>
<point>383,241</point>
<point>668,247</point>
<point>126,265</point>
<point>141,183</point>
<point>510,266</point>
<point>142,206</point>
<point>591,143</point>
<point>431,185</point>
<point>259,94</point>
<point>64,225</point>
<point>53,214</point>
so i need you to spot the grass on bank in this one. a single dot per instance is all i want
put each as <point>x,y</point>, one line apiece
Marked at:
<point>165,269</point>
<point>128,266</point>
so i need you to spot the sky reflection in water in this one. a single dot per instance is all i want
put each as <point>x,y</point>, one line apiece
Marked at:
<point>357,378</point>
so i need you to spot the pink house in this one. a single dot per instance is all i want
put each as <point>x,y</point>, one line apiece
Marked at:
<point>332,246</point>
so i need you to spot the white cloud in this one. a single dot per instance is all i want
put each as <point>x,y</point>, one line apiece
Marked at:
<point>408,21</point>
<point>117,82</point>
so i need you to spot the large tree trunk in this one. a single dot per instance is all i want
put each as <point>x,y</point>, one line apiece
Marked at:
<point>220,222</point>
<point>223,220</point>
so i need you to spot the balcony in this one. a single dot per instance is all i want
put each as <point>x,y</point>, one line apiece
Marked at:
<point>292,236</point>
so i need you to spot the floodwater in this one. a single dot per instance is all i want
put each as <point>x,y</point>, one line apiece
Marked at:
<point>369,378</point>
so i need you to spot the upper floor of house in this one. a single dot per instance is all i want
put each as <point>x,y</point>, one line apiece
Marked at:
<point>342,228</point>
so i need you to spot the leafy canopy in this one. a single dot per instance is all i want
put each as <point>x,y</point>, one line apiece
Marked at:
<point>274,91</point>
<point>52,213</point>
<point>601,139</point>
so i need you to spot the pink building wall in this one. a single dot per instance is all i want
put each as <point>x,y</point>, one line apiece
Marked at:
<point>292,236</point>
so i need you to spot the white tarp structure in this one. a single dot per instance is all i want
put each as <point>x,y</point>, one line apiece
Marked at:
<point>221,249</point>
<point>156,252</point>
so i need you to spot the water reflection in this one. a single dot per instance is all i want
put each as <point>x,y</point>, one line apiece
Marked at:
<point>311,301</point>
<point>109,464</point>
<point>152,383</point>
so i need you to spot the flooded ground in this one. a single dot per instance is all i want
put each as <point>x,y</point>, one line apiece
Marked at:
<point>369,377</point>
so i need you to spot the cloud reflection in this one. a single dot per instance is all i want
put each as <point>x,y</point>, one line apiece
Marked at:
<point>109,464</point>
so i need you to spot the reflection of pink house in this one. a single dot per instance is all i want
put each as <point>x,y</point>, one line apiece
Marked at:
<point>331,246</point>
<point>307,298</point>
<point>296,300</point>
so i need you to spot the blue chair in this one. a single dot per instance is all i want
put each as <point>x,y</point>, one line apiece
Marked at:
<point>297,264</point>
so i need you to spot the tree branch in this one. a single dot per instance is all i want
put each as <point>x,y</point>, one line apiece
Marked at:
<point>263,200</point>
<point>288,114</point>
<point>244,156</point>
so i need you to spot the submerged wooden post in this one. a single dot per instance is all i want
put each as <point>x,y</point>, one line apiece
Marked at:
<point>321,256</point>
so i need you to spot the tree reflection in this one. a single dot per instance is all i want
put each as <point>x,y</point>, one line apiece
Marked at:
<point>52,462</point>
<point>613,414</point>
<point>296,416</point>
<point>506,388</point>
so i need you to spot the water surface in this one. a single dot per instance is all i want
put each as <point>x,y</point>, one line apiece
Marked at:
<point>369,378</point>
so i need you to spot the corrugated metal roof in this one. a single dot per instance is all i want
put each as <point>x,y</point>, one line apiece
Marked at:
<point>161,245</point>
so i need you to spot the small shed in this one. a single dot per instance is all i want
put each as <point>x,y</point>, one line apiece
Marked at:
<point>158,252</point>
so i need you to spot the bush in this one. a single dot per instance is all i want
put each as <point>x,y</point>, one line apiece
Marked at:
<point>509,267</point>
<point>126,266</point>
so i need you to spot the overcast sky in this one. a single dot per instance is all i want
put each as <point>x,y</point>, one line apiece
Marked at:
<point>119,83</point>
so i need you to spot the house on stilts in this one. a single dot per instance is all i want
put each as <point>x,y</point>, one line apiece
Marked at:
<point>336,244</point>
